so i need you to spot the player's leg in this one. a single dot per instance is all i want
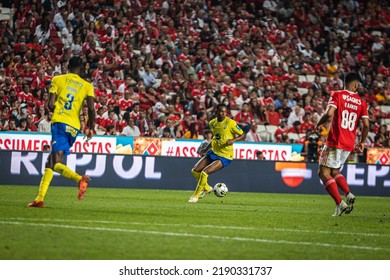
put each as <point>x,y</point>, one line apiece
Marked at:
<point>64,170</point>
<point>45,183</point>
<point>329,161</point>
<point>211,168</point>
<point>59,143</point>
<point>330,185</point>
<point>66,140</point>
<point>203,180</point>
<point>198,167</point>
<point>343,185</point>
<point>197,172</point>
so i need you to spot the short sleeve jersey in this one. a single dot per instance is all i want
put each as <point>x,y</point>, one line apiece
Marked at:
<point>222,131</point>
<point>350,108</point>
<point>71,91</point>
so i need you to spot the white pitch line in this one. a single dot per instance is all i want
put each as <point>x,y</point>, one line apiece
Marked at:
<point>211,226</point>
<point>219,237</point>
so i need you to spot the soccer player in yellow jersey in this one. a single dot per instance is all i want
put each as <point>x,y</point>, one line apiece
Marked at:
<point>66,98</point>
<point>225,132</point>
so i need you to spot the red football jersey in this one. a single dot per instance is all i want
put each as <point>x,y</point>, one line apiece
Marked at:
<point>350,108</point>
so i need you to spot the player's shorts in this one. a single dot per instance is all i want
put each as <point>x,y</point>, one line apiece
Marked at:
<point>333,157</point>
<point>213,157</point>
<point>63,137</point>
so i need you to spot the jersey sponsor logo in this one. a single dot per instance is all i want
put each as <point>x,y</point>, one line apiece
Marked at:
<point>73,82</point>
<point>71,130</point>
<point>352,99</point>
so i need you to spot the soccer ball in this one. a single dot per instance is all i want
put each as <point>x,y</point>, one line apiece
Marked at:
<point>220,189</point>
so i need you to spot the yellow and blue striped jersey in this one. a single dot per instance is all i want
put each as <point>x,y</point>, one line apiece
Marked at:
<point>70,91</point>
<point>223,131</point>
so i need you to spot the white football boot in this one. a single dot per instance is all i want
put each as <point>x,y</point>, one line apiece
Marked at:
<point>350,198</point>
<point>341,208</point>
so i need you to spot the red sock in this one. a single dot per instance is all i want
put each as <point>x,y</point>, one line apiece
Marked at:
<point>342,183</point>
<point>331,188</point>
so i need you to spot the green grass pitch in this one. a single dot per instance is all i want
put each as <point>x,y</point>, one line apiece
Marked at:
<point>135,224</point>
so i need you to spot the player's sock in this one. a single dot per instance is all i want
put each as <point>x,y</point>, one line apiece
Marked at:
<point>331,188</point>
<point>67,172</point>
<point>196,174</point>
<point>207,187</point>
<point>201,183</point>
<point>342,183</point>
<point>44,185</point>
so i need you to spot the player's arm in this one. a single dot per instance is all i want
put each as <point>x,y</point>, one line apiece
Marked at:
<point>237,131</point>
<point>325,117</point>
<point>360,145</point>
<point>239,137</point>
<point>51,102</point>
<point>91,116</point>
<point>53,94</point>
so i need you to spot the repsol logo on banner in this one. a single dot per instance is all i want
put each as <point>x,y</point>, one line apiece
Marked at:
<point>294,174</point>
<point>126,167</point>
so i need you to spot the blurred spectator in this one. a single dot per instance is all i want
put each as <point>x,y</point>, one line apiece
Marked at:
<point>244,118</point>
<point>272,117</point>
<point>192,132</point>
<point>152,131</point>
<point>252,135</point>
<point>281,131</point>
<point>45,124</point>
<point>30,123</point>
<point>295,116</point>
<point>23,125</point>
<point>11,125</point>
<point>131,129</point>
<point>199,54</point>
<point>259,155</point>
<point>46,148</point>
<point>178,130</point>
<point>111,130</point>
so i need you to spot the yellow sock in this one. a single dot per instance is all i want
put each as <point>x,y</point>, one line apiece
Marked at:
<point>196,174</point>
<point>201,183</point>
<point>207,187</point>
<point>67,172</point>
<point>44,185</point>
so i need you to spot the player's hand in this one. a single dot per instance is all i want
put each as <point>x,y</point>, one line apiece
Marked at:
<point>230,141</point>
<point>359,147</point>
<point>88,134</point>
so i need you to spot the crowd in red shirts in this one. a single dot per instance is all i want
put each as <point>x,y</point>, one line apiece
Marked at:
<point>167,64</point>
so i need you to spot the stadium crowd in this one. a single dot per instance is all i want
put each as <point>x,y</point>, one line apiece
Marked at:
<point>159,68</point>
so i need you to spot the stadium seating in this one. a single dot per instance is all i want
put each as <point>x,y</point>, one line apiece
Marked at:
<point>385,109</point>
<point>5,14</point>
<point>303,90</point>
<point>293,136</point>
<point>234,112</point>
<point>306,81</point>
<point>387,122</point>
<point>266,132</point>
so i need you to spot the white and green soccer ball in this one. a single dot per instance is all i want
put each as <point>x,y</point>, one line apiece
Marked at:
<point>220,189</point>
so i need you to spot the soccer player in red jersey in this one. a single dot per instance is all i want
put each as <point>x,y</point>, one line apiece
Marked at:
<point>345,109</point>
